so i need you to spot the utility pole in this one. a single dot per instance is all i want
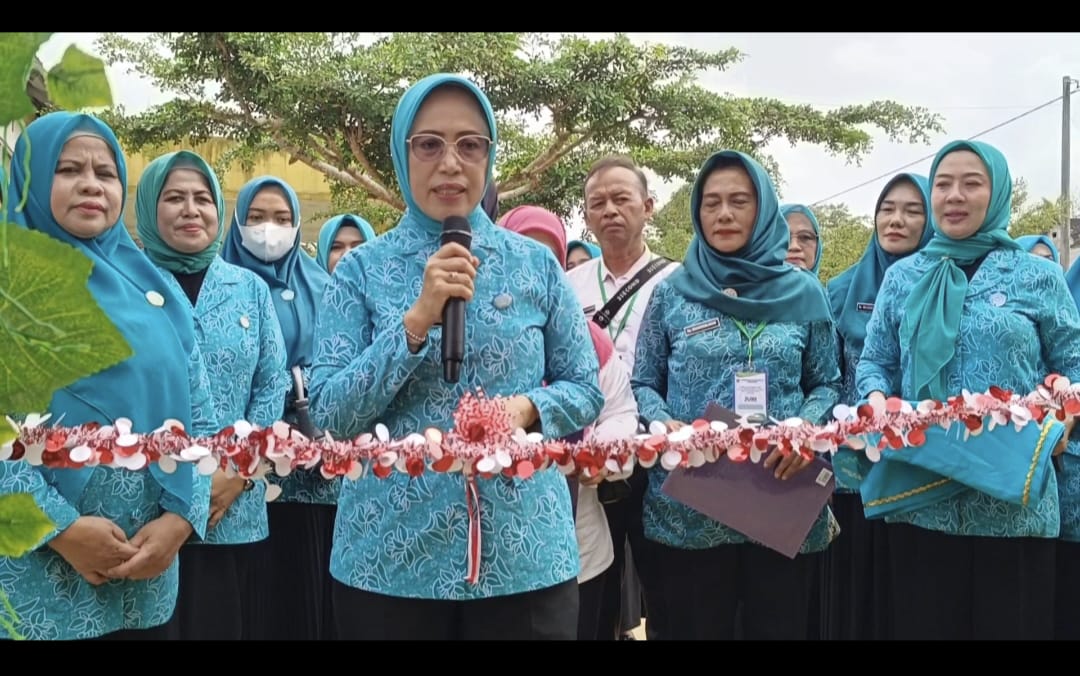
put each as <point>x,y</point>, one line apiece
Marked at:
<point>1066,118</point>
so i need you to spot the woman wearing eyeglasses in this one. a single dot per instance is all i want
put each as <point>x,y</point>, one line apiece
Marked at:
<point>401,557</point>
<point>804,247</point>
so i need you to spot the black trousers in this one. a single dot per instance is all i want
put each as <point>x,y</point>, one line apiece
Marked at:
<point>632,583</point>
<point>855,597</point>
<point>706,591</point>
<point>294,598</point>
<point>544,614</point>
<point>217,588</point>
<point>956,587</point>
<point>590,599</point>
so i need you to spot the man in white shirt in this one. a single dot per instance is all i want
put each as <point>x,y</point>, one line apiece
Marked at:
<point>617,207</point>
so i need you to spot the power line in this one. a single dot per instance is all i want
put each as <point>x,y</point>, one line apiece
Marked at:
<point>819,104</point>
<point>931,156</point>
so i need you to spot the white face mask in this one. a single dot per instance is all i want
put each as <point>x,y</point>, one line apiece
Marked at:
<point>268,242</point>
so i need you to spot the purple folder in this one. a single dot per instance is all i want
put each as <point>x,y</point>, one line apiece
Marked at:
<point>747,497</point>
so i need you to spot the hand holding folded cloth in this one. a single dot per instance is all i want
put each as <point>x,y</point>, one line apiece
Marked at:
<point>1008,463</point>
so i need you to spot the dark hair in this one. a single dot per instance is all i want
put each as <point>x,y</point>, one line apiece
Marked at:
<point>621,162</point>
<point>490,202</point>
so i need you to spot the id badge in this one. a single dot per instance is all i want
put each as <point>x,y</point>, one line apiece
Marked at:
<point>752,393</point>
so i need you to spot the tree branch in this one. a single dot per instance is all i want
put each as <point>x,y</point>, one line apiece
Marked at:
<point>346,177</point>
<point>366,181</point>
<point>226,61</point>
<point>530,176</point>
<point>353,134</point>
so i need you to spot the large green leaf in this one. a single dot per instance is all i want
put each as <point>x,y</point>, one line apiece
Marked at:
<point>17,52</point>
<point>52,329</point>
<point>8,618</point>
<point>79,81</point>
<point>8,431</point>
<point>22,524</point>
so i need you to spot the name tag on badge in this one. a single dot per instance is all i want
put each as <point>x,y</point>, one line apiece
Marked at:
<point>864,307</point>
<point>589,310</point>
<point>702,327</point>
<point>751,393</point>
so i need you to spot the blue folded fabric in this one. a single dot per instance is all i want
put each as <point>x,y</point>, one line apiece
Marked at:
<point>1005,463</point>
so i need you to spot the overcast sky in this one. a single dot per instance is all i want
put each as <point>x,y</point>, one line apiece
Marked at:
<point>974,80</point>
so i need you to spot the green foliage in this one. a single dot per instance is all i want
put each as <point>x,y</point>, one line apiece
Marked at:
<point>327,100</point>
<point>22,524</point>
<point>1042,218</point>
<point>17,51</point>
<point>671,229</point>
<point>79,81</point>
<point>54,331</point>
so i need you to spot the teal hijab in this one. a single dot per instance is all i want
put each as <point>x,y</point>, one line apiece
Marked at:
<point>151,386</point>
<point>1072,278</point>
<point>329,231</point>
<point>855,290</point>
<point>787,209</point>
<point>935,305</point>
<point>1028,242</point>
<point>404,114</point>
<point>146,201</point>
<point>295,272</point>
<point>766,288</point>
<point>590,248</point>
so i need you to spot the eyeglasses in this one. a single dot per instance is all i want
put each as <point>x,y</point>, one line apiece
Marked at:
<point>805,238</point>
<point>431,148</point>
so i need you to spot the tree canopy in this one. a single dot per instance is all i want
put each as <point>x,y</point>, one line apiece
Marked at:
<point>327,99</point>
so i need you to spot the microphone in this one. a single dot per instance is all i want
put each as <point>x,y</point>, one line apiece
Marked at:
<point>455,229</point>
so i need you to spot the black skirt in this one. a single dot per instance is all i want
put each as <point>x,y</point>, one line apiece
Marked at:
<point>293,598</point>
<point>855,599</point>
<point>216,595</point>
<point>970,588</point>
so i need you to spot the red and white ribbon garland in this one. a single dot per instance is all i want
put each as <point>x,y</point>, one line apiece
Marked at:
<point>483,445</point>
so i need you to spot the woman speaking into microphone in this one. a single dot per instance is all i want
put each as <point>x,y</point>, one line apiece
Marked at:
<point>399,557</point>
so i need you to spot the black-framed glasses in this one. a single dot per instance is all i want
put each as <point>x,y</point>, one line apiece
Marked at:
<point>430,148</point>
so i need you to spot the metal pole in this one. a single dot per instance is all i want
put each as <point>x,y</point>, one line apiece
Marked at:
<point>1066,227</point>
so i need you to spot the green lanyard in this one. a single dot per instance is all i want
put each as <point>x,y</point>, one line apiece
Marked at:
<point>749,338</point>
<point>626,314</point>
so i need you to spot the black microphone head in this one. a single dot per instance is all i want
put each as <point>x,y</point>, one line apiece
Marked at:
<point>457,229</point>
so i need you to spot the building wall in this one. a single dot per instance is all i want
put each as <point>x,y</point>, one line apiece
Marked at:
<point>310,185</point>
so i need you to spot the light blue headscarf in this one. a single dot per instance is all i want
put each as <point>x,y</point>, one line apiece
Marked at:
<point>805,211</point>
<point>766,287</point>
<point>1072,278</point>
<point>935,305</point>
<point>592,249</point>
<point>400,127</point>
<point>329,231</point>
<point>295,271</point>
<point>859,284</point>
<point>153,385</point>
<point>1028,242</point>
<point>146,202</point>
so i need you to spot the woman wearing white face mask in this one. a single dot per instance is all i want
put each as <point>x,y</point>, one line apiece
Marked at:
<point>264,237</point>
